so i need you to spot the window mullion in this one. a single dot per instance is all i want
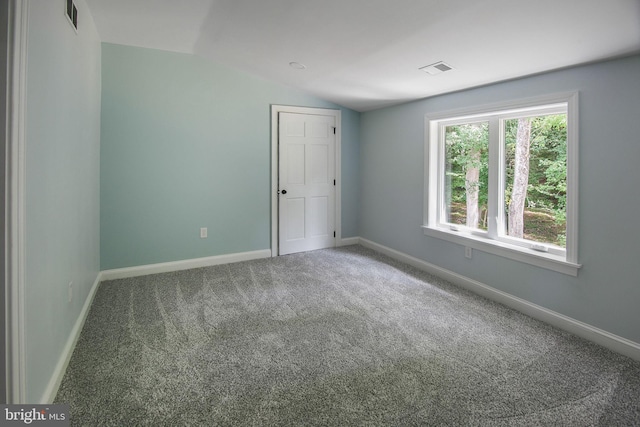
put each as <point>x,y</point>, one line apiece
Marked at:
<point>496,178</point>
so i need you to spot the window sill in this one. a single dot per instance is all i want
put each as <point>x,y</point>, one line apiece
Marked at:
<point>518,253</point>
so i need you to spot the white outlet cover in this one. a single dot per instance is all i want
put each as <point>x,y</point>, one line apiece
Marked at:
<point>203,233</point>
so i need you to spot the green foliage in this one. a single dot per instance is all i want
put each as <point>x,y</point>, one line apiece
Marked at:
<point>547,189</point>
<point>467,147</point>
<point>547,165</point>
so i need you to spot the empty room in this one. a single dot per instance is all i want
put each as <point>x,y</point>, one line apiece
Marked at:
<point>242,212</point>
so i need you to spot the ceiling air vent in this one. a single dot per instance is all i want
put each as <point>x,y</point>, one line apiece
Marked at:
<point>437,68</point>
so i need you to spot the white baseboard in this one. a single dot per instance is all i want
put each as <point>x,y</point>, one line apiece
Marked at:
<point>348,241</point>
<point>611,341</point>
<point>165,267</point>
<point>61,367</point>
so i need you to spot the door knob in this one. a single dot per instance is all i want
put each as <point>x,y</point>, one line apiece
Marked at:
<point>284,191</point>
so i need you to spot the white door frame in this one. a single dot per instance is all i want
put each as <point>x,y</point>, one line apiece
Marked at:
<point>15,200</point>
<point>275,110</point>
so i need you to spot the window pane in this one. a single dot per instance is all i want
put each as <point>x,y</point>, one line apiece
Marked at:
<point>536,178</point>
<point>466,174</point>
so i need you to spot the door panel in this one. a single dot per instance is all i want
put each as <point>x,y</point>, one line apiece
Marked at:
<point>306,148</point>
<point>295,159</point>
<point>295,208</point>
<point>319,216</point>
<point>319,164</point>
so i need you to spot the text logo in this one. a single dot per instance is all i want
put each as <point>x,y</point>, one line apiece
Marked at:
<point>36,415</point>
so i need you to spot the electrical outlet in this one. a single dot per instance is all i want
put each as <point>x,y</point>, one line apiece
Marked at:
<point>70,291</point>
<point>203,233</point>
<point>468,252</point>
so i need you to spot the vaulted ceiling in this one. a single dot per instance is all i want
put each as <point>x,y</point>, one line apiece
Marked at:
<point>367,54</point>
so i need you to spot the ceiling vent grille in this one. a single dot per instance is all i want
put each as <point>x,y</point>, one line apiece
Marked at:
<point>437,68</point>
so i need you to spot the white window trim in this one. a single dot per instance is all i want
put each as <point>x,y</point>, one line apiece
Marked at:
<point>565,262</point>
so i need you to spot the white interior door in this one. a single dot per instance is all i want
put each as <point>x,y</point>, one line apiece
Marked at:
<point>306,150</point>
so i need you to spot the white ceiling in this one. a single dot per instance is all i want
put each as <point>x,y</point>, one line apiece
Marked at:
<point>366,54</point>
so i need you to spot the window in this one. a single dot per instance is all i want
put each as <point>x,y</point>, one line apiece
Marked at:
<point>503,179</point>
<point>72,14</point>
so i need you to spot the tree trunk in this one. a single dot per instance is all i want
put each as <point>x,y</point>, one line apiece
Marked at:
<point>520,179</point>
<point>472,180</point>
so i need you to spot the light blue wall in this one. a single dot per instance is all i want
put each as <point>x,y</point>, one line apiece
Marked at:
<point>350,172</point>
<point>62,181</point>
<point>186,144</point>
<point>607,290</point>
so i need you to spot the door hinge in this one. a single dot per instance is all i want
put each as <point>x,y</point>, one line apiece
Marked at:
<point>334,234</point>
<point>334,182</point>
<point>334,130</point>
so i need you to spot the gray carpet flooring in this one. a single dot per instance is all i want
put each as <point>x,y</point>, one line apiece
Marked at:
<point>334,337</point>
